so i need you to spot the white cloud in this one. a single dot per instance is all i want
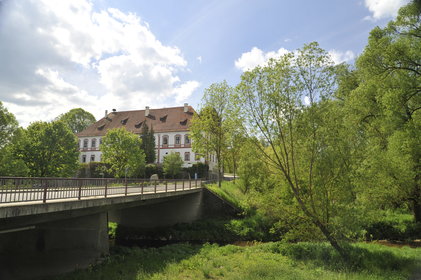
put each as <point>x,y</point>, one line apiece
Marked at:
<point>57,55</point>
<point>199,58</point>
<point>383,8</point>
<point>339,56</point>
<point>256,57</point>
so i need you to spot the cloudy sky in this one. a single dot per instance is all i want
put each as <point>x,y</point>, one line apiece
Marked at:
<point>123,54</point>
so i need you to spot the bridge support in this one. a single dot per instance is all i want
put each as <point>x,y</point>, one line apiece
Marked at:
<point>34,252</point>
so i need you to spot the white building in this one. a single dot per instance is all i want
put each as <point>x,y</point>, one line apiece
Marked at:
<point>170,125</point>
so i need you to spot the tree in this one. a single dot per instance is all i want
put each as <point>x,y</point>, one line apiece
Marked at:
<point>288,104</point>
<point>210,128</point>
<point>122,151</point>
<point>77,119</point>
<point>8,125</point>
<point>48,149</point>
<point>172,164</point>
<point>148,143</point>
<point>386,105</point>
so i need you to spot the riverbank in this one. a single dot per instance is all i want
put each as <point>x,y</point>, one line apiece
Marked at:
<point>272,260</point>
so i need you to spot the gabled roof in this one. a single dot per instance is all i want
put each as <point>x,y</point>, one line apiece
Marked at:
<point>161,120</point>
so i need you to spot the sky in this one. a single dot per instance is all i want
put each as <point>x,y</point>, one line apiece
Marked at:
<point>122,54</point>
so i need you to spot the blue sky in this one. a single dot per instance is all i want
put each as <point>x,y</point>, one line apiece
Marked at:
<point>104,54</point>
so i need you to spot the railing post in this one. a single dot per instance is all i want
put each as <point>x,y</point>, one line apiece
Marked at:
<point>183,184</point>
<point>44,198</point>
<point>190,184</point>
<point>166,186</point>
<point>125,189</point>
<point>106,188</point>
<point>195,183</point>
<point>175,182</point>
<point>80,189</point>
<point>155,185</point>
<point>142,184</point>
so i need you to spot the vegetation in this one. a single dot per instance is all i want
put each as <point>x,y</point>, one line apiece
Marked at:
<point>148,143</point>
<point>172,165</point>
<point>77,119</point>
<point>8,126</point>
<point>260,261</point>
<point>122,152</point>
<point>48,149</point>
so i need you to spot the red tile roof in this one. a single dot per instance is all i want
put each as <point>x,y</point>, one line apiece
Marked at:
<point>162,120</point>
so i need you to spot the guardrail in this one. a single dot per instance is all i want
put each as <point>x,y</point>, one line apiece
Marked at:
<point>25,189</point>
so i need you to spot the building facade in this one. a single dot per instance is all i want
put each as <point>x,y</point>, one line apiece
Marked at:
<point>170,126</point>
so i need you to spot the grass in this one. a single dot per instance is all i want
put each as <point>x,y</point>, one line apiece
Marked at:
<point>262,261</point>
<point>230,192</point>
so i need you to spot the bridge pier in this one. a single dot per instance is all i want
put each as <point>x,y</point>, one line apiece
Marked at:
<point>34,252</point>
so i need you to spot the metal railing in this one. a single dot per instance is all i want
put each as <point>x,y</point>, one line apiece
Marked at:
<point>25,189</point>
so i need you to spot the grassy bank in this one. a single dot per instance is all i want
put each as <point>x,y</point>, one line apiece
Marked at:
<point>262,261</point>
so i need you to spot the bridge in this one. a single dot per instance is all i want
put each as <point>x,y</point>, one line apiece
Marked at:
<point>54,225</point>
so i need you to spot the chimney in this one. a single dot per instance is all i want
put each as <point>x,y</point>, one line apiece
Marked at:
<point>114,111</point>
<point>146,111</point>
<point>106,113</point>
<point>186,107</point>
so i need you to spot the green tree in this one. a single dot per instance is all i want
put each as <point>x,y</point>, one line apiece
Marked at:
<point>386,104</point>
<point>209,129</point>
<point>77,119</point>
<point>172,165</point>
<point>148,143</point>
<point>48,149</point>
<point>288,104</point>
<point>122,151</point>
<point>8,125</point>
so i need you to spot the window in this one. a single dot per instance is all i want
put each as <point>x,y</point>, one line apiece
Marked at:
<point>186,140</point>
<point>187,156</point>
<point>165,140</point>
<point>84,158</point>
<point>92,158</point>
<point>177,139</point>
<point>85,143</point>
<point>78,145</point>
<point>93,143</point>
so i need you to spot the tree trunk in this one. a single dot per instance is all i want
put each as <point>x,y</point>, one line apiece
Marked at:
<point>416,204</point>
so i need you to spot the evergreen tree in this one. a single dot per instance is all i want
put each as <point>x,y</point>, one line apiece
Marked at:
<point>148,143</point>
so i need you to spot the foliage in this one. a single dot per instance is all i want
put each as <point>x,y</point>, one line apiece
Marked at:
<point>172,165</point>
<point>201,169</point>
<point>121,150</point>
<point>385,105</point>
<point>77,119</point>
<point>231,193</point>
<point>289,104</point>
<point>148,143</point>
<point>94,170</point>
<point>48,149</point>
<point>210,129</point>
<point>8,125</point>
<point>152,168</point>
<point>259,261</point>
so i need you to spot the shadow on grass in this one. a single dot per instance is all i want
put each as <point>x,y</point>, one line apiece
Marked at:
<point>134,263</point>
<point>373,258</point>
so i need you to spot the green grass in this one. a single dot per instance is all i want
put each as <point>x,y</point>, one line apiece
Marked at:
<point>231,193</point>
<point>261,261</point>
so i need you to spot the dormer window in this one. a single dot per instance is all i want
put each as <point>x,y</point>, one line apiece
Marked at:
<point>183,122</point>
<point>124,121</point>
<point>164,118</point>
<point>101,127</point>
<point>139,124</point>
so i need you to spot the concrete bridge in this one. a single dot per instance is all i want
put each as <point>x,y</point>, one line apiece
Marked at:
<point>54,225</point>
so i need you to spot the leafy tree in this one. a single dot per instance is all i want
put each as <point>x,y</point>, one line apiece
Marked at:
<point>8,125</point>
<point>122,151</point>
<point>148,143</point>
<point>386,105</point>
<point>209,129</point>
<point>172,164</point>
<point>77,119</point>
<point>48,149</point>
<point>10,164</point>
<point>288,104</point>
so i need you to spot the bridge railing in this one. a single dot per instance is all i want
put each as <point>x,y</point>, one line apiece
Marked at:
<point>24,189</point>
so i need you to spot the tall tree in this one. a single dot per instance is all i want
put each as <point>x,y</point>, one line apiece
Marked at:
<point>288,104</point>
<point>148,143</point>
<point>48,149</point>
<point>122,151</point>
<point>8,125</point>
<point>209,129</point>
<point>172,164</point>
<point>77,119</point>
<point>386,105</point>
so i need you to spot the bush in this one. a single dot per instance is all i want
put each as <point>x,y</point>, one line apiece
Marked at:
<point>202,170</point>
<point>94,170</point>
